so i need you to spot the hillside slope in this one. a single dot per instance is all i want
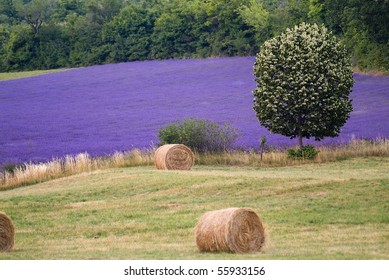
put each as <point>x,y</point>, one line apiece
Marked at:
<point>102,109</point>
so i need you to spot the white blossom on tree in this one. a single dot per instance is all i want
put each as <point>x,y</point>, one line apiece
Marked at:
<point>304,79</point>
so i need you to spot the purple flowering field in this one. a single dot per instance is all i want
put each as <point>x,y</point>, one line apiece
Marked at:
<point>118,107</point>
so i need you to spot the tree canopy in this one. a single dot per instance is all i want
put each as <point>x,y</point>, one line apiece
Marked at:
<point>303,82</point>
<point>41,34</point>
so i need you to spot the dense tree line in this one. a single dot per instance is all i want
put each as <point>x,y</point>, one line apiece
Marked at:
<point>44,34</point>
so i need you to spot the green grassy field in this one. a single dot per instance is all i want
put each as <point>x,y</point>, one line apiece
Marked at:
<point>335,210</point>
<point>24,74</point>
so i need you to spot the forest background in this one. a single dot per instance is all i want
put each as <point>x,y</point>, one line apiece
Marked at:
<point>50,34</point>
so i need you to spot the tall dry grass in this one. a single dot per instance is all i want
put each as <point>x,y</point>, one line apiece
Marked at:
<point>31,173</point>
<point>355,148</point>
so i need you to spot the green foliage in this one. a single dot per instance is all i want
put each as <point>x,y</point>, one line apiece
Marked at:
<point>230,34</point>
<point>18,50</point>
<point>8,12</point>
<point>303,82</point>
<point>199,135</point>
<point>11,168</point>
<point>362,26</point>
<point>306,152</point>
<point>102,11</point>
<point>64,8</point>
<point>104,31</point>
<point>315,9</point>
<point>365,35</point>
<point>285,14</point>
<point>36,12</point>
<point>175,31</point>
<point>254,14</point>
<point>83,39</point>
<point>128,35</point>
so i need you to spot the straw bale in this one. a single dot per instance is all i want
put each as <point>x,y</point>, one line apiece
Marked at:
<point>174,157</point>
<point>7,233</point>
<point>233,230</point>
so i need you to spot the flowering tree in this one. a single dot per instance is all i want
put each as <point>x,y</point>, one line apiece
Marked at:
<point>303,81</point>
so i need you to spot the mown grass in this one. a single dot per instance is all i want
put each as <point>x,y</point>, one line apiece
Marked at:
<point>333,210</point>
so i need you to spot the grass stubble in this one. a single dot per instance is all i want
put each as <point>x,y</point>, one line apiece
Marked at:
<point>328,210</point>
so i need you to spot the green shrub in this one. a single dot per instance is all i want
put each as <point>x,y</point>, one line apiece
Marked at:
<point>11,167</point>
<point>199,135</point>
<point>306,152</point>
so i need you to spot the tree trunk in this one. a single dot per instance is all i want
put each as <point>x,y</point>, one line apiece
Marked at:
<point>300,140</point>
<point>300,133</point>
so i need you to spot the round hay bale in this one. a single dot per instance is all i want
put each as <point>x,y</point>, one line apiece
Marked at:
<point>7,233</point>
<point>174,157</point>
<point>233,230</point>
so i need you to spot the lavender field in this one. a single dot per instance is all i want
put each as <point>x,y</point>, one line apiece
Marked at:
<point>108,108</point>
